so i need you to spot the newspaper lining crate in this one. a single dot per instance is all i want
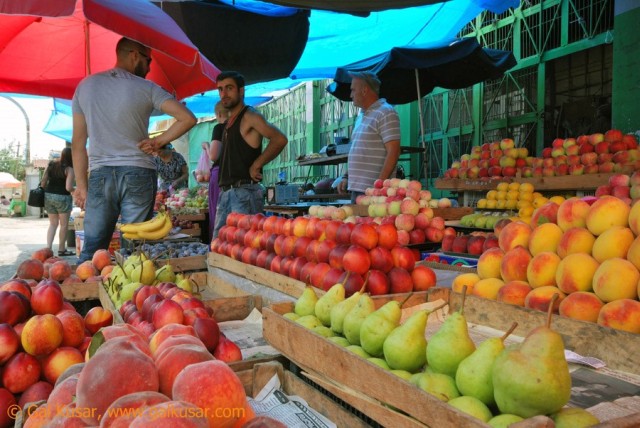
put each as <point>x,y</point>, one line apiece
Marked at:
<point>358,381</point>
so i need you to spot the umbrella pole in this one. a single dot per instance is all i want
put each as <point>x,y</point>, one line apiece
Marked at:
<point>424,146</point>
<point>87,48</point>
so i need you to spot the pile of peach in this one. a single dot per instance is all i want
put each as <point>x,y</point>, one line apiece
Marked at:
<point>43,264</point>
<point>322,252</point>
<point>589,254</point>
<point>171,380</point>
<point>41,335</point>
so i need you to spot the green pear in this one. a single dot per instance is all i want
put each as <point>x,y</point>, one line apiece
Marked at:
<point>574,418</point>
<point>126,292</point>
<point>291,316</point>
<point>405,347</point>
<point>148,272</point>
<point>358,351</point>
<point>379,362</point>
<point>415,377</point>
<point>450,344</point>
<point>324,304</point>
<point>504,420</point>
<point>353,320</point>
<point>341,309</point>
<point>441,386</point>
<point>323,331</point>
<point>378,325</point>
<point>474,374</point>
<point>166,274</point>
<point>306,303</point>
<point>308,321</point>
<point>129,268</point>
<point>185,284</point>
<point>402,374</point>
<point>340,341</point>
<point>533,377</point>
<point>471,406</point>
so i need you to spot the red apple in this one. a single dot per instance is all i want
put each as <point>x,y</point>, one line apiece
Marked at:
<point>356,259</point>
<point>400,280</point>
<point>377,283</point>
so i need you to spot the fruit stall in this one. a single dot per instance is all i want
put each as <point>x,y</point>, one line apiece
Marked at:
<point>401,310</point>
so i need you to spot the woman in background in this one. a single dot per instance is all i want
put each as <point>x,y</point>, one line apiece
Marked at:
<point>214,150</point>
<point>172,169</point>
<point>57,182</point>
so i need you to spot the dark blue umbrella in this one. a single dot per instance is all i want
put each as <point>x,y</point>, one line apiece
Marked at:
<point>458,65</point>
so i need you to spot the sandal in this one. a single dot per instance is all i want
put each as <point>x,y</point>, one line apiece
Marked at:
<point>66,253</point>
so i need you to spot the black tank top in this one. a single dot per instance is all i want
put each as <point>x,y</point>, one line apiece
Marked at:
<point>56,184</point>
<point>218,132</point>
<point>237,154</point>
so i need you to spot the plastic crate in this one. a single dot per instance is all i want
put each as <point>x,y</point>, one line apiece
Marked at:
<point>451,260</point>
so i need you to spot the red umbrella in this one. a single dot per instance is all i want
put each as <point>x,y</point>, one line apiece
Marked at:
<point>47,47</point>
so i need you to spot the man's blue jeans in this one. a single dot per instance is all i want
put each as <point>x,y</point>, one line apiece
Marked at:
<point>247,199</point>
<point>114,191</point>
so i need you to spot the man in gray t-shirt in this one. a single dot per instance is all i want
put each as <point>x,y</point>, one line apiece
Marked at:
<point>116,175</point>
<point>375,142</point>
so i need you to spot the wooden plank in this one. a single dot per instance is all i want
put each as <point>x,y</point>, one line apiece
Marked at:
<point>106,303</point>
<point>273,280</point>
<point>192,232</point>
<point>305,347</point>
<point>565,182</point>
<point>585,338</point>
<point>192,217</point>
<point>452,213</point>
<point>184,264</point>
<point>374,409</point>
<point>79,291</point>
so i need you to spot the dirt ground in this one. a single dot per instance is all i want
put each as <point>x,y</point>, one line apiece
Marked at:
<point>19,237</point>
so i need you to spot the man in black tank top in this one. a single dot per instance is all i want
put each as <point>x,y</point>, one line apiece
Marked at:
<point>242,156</point>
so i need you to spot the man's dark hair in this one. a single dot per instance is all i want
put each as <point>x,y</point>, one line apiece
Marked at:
<point>237,77</point>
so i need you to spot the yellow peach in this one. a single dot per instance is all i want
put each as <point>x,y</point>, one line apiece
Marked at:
<point>606,212</point>
<point>514,264</point>
<point>633,254</point>
<point>514,234</point>
<point>614,242</point>
<point>575,273</point>
<point>513,293</point>
<point>489,263</point>
<point>542,269</point>
<point>616,279</point>
<point>487,288</point>
<point>540,298</point>
<point>634,218</point>
<point>581,305</point>
<point>623,314</point>
<point>468,279</point>
<point>575,240</point>
<point>573,213</point>
<point>544,238</point>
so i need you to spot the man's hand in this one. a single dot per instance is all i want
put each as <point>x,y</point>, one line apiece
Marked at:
<point>80,196</point>
<point>254,172</point>
<point>342,186</point>
<point>149,146</point>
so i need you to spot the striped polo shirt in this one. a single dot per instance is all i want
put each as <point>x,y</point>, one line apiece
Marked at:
<point>375,126</point>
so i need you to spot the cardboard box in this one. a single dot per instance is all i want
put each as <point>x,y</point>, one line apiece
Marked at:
<point>113,246</point>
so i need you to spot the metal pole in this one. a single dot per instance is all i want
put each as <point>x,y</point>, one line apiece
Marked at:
<point>27,150</point>
<point>424,145</point>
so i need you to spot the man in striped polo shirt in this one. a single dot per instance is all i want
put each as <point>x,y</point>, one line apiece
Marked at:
<point>375,142</point>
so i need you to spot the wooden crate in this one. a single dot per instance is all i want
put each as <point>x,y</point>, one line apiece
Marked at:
<point>80,291</point>
<point>226,301</point>
<point>255,378</point>
<point>358,382</point>
<point>106,303</point>
<point>289,286</point>
<point>565,182</point>
<point>185,264</point>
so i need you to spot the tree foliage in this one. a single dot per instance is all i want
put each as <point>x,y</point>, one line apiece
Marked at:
<point>12,164</point>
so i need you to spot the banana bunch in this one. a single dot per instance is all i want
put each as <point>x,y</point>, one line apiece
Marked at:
<point>150,230</point>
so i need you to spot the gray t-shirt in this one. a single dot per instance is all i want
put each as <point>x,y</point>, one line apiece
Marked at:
<point>117,105</point>
<point>375,127</point>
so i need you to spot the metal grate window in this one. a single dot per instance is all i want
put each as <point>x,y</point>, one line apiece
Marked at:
<point>589,17</point>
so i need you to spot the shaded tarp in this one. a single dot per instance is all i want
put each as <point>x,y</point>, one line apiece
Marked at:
<point>260,47</point>
<point>458,65</point>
